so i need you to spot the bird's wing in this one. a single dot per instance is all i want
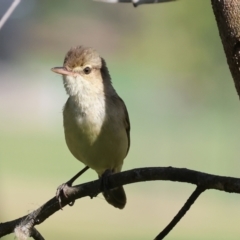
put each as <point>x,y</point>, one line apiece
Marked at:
<point>126,123</point>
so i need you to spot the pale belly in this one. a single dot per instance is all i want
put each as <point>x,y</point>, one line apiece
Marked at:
<point>100,149</point>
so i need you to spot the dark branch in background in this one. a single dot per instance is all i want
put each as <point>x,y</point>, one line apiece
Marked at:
<point>135,2</point>
<point>92,189</point>
<point>181,213</point>
<point>227,14</point>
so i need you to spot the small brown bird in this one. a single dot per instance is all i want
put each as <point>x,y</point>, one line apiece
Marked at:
<point>96,122</point>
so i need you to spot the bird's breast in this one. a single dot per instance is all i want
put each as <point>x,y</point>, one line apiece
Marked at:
<point>83,121</point>
<point>94,139</point>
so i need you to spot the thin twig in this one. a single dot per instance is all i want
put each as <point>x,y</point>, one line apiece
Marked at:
<point>9,12</point>
<point>35,234</point>
<point>181,213</point>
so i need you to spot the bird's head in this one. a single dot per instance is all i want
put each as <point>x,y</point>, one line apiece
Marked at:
<point>83,69</point>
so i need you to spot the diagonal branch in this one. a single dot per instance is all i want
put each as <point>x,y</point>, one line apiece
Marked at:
<point>9,12</point>
<point>181,213</point>
<point>35,234</point>
<point>203,180</point>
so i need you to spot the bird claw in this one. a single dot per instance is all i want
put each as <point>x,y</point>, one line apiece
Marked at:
<point>64,188</point>
<point>61,191</point>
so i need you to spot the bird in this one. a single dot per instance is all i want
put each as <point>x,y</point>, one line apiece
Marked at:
<point>95,119</point>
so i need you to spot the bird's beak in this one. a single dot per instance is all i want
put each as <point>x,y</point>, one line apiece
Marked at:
<point>61,70</point>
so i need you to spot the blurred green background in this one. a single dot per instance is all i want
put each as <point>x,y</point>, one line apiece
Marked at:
<point>168,64</point>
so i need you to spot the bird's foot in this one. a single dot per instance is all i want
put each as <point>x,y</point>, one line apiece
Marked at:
<point>65,188</point>
<point>62,190</point>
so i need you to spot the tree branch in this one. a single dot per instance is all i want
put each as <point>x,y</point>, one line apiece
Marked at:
<point>36,234</point>
<point>227,14</point>
<point>9,12</point>
<point>202,180</point>
<point>181,213</point>
<point>135,2</point>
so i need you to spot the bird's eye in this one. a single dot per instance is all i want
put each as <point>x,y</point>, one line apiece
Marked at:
<point>87,70</point>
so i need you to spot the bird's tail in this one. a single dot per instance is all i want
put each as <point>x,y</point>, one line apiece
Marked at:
<point>116,197</point>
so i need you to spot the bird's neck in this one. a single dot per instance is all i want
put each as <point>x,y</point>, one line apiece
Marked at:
<point>88,103</point>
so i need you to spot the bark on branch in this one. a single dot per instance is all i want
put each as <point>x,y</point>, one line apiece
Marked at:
<point>227,14</point>
<point>202,180</point>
